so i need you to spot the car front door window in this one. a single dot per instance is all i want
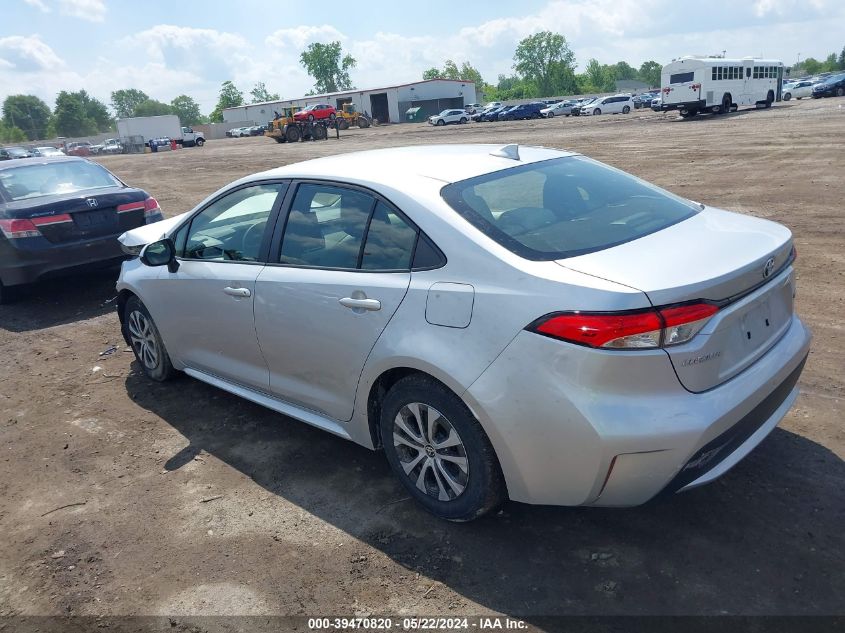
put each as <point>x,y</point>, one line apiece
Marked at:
<point>233,228</point>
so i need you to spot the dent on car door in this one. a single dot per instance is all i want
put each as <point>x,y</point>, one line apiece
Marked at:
<point>343,269</point>
<point>206,306</point>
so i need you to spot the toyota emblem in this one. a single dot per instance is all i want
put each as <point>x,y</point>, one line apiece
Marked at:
<point>768,267</point>
<point>92,202</point>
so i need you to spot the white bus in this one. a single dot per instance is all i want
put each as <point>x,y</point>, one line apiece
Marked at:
<point>715,84</point>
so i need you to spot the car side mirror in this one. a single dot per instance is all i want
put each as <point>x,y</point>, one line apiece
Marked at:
<point>161,253</point>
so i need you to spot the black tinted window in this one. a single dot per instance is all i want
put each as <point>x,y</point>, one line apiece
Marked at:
<point>390,241</point>
<point>564,207</point>
<point>679,78</point>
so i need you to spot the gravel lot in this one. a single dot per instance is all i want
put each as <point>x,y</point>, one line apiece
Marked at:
<point>118,496</point>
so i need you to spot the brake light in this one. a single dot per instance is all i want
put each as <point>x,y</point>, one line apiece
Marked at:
<point>151,209</point>
<point>16,229</point>
<point>642,329</point>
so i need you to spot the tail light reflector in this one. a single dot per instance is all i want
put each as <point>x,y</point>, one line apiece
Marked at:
<point>642,329</point>
<point>15,229</point>
<point>47,220</point>
<point>151,209</point>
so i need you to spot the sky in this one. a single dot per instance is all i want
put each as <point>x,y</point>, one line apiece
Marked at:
<point>172,47</point>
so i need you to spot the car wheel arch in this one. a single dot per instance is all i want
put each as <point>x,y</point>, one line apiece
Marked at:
<point>380,386</point>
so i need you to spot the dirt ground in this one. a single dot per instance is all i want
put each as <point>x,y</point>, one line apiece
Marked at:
<point>119,496</point>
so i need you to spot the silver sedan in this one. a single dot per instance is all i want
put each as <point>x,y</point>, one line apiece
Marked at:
<point>504,322</point>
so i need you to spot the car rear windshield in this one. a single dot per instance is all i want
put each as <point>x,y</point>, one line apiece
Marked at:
<point>35,181</point>
<point>564,207</point>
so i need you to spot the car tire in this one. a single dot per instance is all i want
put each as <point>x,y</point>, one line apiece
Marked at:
<point>840,92</point>
<point>457,482</point>
<point>463,120</point>
<point>550,115</point>
<point>626,109</point>
<point>441,122</point>
<point>146,342</point>
<point>199,142</point>
<point>597,111</point>
<point>311,118</point>
<point>787,96</point>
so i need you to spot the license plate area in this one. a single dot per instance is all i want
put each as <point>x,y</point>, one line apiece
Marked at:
<point>94,219</point>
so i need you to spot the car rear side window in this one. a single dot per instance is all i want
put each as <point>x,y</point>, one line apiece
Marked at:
<point>564,207</point>
<point>335,227</point>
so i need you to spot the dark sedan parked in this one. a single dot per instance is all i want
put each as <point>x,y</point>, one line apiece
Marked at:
<point>61,214</point>
<point>833,86</point>
<point>16,152</point>
<point>524,111</point>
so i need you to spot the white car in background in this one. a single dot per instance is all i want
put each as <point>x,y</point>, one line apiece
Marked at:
<point>561,108</point>
<point>238,132</point>
<point>449,116</point>
<point>616,104</point>
<point>797,90</point>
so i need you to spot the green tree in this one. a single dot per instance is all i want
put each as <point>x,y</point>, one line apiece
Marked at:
<point>27,113</point>
<point>841,60</point>
<point>538,56</point>
<point>466,72</point>
<point>124,102</point>
<point>187,110</point>
<point>650,73</point>
<point>811,66</point>
<point>830,63</point>
<point>230,97</point>
<point>97,111</point>
<point>623,70</point>
<point>599,77</point>
<point>260,94</point>
<point>324,63</point>
<point>151,107</point>
<point>71,117</point>
<point>11,134</point>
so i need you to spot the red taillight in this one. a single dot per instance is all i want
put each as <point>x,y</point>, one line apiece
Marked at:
<point>131,206</point>
<point>645,329</point>
<point>151,208</point>
<point>15,229</point>
<point>635,329</point>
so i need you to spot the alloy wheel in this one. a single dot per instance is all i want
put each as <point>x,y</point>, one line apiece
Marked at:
<point>143,339</point>
<point>430,451</point>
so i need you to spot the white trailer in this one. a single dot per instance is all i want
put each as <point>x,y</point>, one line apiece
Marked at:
<point>714,84</point>
<point>154,127</point>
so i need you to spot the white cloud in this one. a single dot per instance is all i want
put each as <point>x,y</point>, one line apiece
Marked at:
<point>300,36</point>
<point>28,54</point>
<point>91,10</point>
<point>38,4</point>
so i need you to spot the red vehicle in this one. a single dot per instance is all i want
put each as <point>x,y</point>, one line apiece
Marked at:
<point>316,112</point>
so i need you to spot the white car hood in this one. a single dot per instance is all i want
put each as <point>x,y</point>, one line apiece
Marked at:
<point>150,232</point>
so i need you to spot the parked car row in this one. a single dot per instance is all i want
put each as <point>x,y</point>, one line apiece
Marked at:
<point>833,86</point>
<point>547,109</point>
<point>252,130</point>
<point>13,152</point>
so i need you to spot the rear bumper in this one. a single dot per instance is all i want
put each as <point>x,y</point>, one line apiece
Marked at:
<point>698,104</point>
<point>578,426</point>
<point>30,259</point>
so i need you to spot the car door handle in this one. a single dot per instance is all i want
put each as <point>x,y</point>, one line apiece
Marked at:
<point>237,292</point>
<point>360,304</point>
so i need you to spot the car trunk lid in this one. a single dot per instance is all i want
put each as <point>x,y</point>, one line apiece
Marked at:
<point>741,263</point>
<point>73,217</point>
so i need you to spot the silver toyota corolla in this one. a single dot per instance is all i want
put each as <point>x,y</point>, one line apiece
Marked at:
<point>505,322</point>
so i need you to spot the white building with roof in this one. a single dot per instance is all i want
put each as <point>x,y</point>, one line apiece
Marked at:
<point>388,105</point>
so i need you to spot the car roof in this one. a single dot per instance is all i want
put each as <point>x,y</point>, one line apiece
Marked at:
<point>40,160</point>
<point>444,163</point>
